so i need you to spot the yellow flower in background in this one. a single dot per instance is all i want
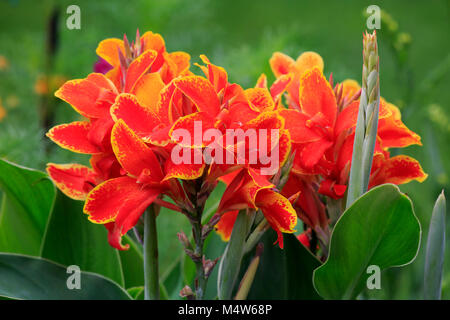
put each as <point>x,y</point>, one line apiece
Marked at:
<point>2,111</point>
<point>48,84</point>
<point>4,63</point>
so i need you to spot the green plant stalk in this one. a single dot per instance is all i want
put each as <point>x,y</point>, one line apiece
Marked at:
<point>151,268</point>
<point>200,278</point>
<point>230,263</point>
<point>367,122</point>
<point>435,251</point>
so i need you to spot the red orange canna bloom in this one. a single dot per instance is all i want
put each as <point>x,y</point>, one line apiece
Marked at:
<point>321,120</point>
<point>135,108</point>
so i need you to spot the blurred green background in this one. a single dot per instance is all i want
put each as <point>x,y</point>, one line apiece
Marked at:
<point>240,36</point>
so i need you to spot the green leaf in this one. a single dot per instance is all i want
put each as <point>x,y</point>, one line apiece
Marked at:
<point>380,229</point>
<point>284,273</point>
<point>25,277</point>
<point>71,239</point>
<point>434,259</point>
<point>230,263</point>
<point>27,201</point>
<point>132,263</point>
<point>137,293</point>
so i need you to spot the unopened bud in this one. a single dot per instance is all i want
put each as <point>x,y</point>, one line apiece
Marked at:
<point>187,293</point>
<point>184,240</point>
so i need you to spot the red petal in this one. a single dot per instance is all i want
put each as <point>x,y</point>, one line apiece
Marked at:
<point>201,92</point>
<point>278,211</point>
<point>216,75</point>
<point>399,170</point>
<point>262,81</point>
<point>394,133</point>
<point>133,154</point>
<point>260,99</point>
<point>194,125</point>
<point>281,64</point>
<point>183,171</point>
<point>225,226</point>
<point>74,180</point>
<point>316,95</point>
<point>86,97</point>
<point>138,68</point>
<point>295,123</point>
<point>280,85</point>
<point>74,137</point>
<point>313,152</point>
<point>120,200</point>
<point>142,120</point>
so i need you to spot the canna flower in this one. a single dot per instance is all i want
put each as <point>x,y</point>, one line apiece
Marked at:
<point>321,120</point>
<point>248,190</point>
<point>120,53</point>
<point>119,202</point>
<point>93,98</point>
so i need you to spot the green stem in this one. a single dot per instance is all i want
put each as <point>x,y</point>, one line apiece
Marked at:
<point>151,272</point>
<point>200,278</point>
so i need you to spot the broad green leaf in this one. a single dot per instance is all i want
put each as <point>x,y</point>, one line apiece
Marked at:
<point>71,239</point>
<point>283,273</point>
<point>434,258</point>
<point>379,229</point>
<point>132,264</point>
<point>28,197</point>
<point>25,277</point>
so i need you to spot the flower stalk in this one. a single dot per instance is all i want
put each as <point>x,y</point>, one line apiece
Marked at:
<point>151,268</point>
<point>367,123</point>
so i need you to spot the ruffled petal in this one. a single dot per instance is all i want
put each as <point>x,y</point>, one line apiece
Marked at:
<point>182,170</point>
<point>398,170</point>
<point>133,154</point>
<point>281,64</point>
<point>278,211</point>
<point>74,180</point>
<point>87,97</point>
<point>191,128</point>
<point>308,60</point>
<point>295,123</point>
<point>108,49</point>
<point>74,137</point>
<point>121,201</point>
<point>142,120</point>
<point>317,96</point>
<point>226,223</point>
<point>138,68</point>
<point>312,152</point>
<point>216,75</point>
<point>201,92</point>
<point>394,133</point>
<point>260,99</point>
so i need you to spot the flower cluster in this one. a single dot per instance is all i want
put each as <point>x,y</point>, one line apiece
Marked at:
<point>143,103</point>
